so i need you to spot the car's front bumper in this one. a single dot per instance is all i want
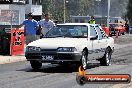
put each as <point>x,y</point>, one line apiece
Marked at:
<point>57,57</point>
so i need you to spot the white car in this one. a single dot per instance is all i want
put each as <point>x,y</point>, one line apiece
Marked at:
<point>71,43</point>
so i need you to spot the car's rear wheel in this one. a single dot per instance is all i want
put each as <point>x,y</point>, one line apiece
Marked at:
<point>35,65</point>
<point>106,60</point>
<point>84,60</point>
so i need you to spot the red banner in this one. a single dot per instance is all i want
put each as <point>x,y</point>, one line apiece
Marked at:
<point>17,42</point>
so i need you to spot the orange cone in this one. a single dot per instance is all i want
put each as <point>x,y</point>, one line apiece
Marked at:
<point>116,34</point>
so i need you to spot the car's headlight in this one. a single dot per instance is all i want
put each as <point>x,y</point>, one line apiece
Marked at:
<point>66,49</point>
<point>33,48</point>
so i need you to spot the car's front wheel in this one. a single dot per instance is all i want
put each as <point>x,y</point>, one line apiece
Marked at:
<point>35,65</point>
<point>106,60</point>
<point>84,60</point>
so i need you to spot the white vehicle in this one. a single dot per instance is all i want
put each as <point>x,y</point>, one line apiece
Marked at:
<point>71,43</point>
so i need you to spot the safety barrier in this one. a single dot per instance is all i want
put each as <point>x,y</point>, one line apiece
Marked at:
<point>17,42</point>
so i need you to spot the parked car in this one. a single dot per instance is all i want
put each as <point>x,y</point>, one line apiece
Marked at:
<point>117,28</point>
<point>75,43</point>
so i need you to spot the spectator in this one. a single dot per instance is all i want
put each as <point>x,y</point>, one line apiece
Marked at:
<point>127,27</point>
<point>46,24</point>
<point>30,27</point>
<point>92,21</point>
<point>38,32</point>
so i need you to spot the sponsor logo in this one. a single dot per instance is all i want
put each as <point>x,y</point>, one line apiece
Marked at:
<point>83,78</point>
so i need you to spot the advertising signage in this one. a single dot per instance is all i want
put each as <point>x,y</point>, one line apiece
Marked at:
<point>8,17</point>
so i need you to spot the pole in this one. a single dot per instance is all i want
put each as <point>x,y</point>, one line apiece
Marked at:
<point>64,11</point>
<point>11,31</point>
<point>108,13</point>
<point>30,2</point>
<point>11,18</point>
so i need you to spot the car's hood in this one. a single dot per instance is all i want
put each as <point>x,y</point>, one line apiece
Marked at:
<point>49,43</point>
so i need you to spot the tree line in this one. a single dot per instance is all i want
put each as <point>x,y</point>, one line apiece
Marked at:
<point>121,8</point>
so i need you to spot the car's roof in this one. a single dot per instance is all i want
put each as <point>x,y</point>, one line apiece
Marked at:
<point>78,24</point>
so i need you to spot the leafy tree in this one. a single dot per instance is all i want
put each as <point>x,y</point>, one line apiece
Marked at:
<point>86,7</point>
<point>129,11</point>
<point>73,7</point>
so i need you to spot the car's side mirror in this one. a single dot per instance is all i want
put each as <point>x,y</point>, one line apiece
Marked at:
<point>93,37</point>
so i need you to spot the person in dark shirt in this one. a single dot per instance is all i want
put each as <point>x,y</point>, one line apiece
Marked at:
<point>127,27</point>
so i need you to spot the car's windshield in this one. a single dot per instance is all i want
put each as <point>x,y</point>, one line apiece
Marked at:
<point>72,31</point>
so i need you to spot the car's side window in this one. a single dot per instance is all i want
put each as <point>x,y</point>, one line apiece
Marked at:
<point>85,30</point>
<point>82,30</point>
<point>93,31</point>
<point>100,35</point>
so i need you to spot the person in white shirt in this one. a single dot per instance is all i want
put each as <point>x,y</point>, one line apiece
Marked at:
<point>46,24</point>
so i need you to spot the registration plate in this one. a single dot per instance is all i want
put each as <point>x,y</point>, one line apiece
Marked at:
<point>47,58</point>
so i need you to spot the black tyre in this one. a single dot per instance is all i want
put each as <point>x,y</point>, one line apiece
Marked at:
<point>123,33</point>
<point>84,60</point>
<point>106,60</point>
<point>35,65</point>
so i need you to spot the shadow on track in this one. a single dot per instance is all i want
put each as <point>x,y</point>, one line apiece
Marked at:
<point>55,68</point>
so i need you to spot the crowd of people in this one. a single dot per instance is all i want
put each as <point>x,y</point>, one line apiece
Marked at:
<point>35,30</point>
